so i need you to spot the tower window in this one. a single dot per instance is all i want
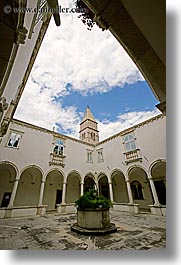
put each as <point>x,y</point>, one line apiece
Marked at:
<point>14,139</point>
<point>58,147</point>
<point>137,190</point>
<point>129,142</point>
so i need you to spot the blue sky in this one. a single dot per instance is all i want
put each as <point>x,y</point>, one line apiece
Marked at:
<point>76,67</point>
<point>133,97</point>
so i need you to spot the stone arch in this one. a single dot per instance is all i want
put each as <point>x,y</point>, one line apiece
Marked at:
<point>8,174</point>
<point>77,173</point>
<point>132,168</point>
<point>163,161</point>
<point>53,189</point>
<point>73,186</point>
<point>137,174</point>
<point>115,170</point>
<point>89,182</point>
<point>29,186</point>
<point>11,164</point>
<point>55,169</point>
<point>103,185</point>
<point>101,174</point>
<point>158,173</point>
<point>32,166</point>
<point>120,194</point>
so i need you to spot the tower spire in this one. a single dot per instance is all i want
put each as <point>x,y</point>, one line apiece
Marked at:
<point>88,128</point>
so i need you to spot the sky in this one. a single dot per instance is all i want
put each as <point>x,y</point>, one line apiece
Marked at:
<point>76,67</point>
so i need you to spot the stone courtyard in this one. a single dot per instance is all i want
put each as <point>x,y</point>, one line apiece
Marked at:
<point>53,232</point>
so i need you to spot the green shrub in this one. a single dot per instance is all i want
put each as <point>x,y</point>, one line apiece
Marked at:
<point>91,200</point>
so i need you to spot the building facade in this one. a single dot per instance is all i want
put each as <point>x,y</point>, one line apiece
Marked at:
<point>43,171</point>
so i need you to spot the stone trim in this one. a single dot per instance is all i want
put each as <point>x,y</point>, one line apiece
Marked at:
<point>41,129</point>
<point>131,129</point>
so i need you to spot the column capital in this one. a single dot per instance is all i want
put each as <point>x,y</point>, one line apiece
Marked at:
<point>127,180</point>
<point>65,182</point>
<point>17,179</point>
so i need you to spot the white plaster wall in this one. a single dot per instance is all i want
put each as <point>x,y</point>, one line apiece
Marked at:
<point>27,194</point>
<point>34,149</point>
<point>50,191</point>
<point>72,189</point>
<point>36,146</point>
<point>119,189</point>
<point>150,138</point>
<point>23,56</point>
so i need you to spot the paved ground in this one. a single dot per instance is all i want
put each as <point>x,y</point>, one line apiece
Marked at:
<point>134,231</point>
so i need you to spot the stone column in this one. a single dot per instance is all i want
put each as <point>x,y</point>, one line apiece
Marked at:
<point>64,192</point>
<point>129,191</point>
<point>152,185</point>
<point>97,187</point>
<point>111,191</point>
<point>13,194</point>
<point>40,202</point>
<point>81,188</point>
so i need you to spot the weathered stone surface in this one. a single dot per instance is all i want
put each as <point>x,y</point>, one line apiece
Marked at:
<point>53,231</point>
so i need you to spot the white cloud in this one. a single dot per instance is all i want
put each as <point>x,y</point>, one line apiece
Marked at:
<point>123,121</point>
<point>38,107</point>
<point>92,61</point>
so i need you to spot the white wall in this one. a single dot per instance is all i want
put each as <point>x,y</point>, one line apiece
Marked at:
<point>23,56</point>
<point>37,144</point>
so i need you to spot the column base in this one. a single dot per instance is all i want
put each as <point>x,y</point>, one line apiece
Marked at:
<point>8,213</point>
<point>41,209</point>
<point>66,208</point>
<point>158,209</point>
<point>126,207</point>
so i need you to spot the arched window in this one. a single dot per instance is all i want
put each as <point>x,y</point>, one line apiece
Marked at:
<point>129,142</point>
<point>137,190</point>
<point>58,147</point>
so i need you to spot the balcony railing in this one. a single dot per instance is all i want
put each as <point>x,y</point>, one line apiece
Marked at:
<point>58,160</point>
<point>132,156</point>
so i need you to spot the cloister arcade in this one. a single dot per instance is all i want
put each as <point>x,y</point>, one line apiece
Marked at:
<point>31,187</point>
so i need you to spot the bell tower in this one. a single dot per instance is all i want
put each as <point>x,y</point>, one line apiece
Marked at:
<point>88,128</point>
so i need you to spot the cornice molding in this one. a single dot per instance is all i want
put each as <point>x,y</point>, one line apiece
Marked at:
<point>47,131</point>
<point>65,137</point>
<point>131,129</point>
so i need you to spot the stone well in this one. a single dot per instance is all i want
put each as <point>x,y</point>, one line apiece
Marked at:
<point>94,222</point>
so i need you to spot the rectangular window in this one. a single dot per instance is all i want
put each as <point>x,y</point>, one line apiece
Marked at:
<point>100,156</point>
<point>14,139</point>
<point>89,156</point>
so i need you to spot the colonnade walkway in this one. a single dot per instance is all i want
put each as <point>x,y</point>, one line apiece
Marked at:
<point>53,232</point>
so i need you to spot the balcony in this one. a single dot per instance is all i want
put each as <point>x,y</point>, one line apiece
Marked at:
<point>132,156</point>
<point>56,159</point>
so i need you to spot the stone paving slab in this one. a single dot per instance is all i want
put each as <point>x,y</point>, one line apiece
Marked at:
<point>53,232</point>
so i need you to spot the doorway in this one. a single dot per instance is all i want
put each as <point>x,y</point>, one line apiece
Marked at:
<point>58,198</point>
<point>161,191</point>
<point>6,199</point>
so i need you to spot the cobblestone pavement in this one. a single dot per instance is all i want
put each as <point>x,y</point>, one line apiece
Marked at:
<point>52,231</point>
